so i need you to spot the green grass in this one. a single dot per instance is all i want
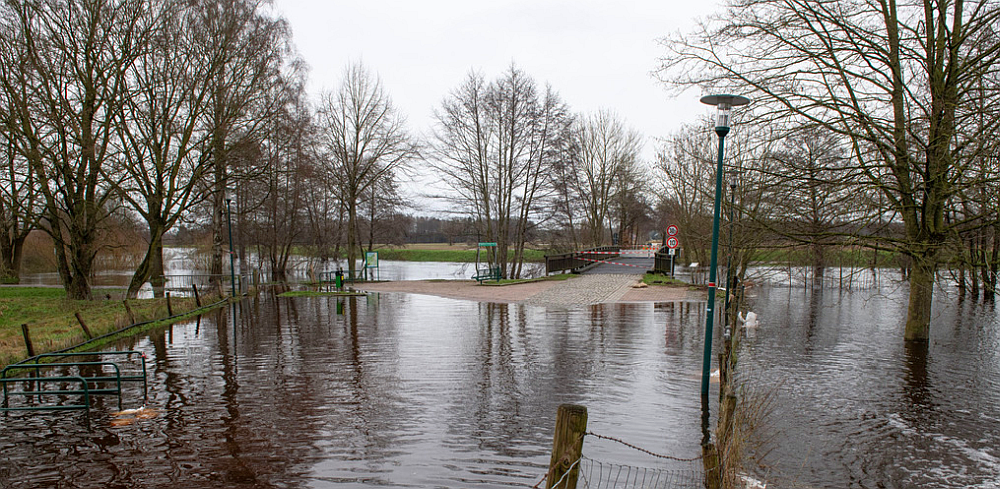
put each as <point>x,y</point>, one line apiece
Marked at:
<point>461,256</point>
<point>53,326</point>
<point>832,256</point>
<point>314,293</point>
<point>660,279</point>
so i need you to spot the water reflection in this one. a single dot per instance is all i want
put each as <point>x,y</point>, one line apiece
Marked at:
<point>858,407</point>
<point>418,391</point>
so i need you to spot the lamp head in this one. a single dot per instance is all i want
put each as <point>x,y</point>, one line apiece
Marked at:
<point>725,104</point>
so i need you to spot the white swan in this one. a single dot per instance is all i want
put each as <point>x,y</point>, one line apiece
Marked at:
<point>750,321</point>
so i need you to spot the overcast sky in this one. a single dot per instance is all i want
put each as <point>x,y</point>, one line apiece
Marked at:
<point>598,54</point>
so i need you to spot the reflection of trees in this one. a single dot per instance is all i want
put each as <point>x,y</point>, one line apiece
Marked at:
<point>916,385</point>
<point>678,315</point>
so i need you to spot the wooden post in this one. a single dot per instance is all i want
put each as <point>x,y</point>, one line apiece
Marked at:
<point>710,461</point>
<point>128,310</point>
<point>83,325</point>
<point>567,446</point>
<point>170,308</point>
<point>27,340</point>
<point>197,300</point>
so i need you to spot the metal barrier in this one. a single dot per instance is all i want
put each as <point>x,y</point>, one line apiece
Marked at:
<point>40,392</point>
<point>86,391</point>
<point>34,363</point>
<point>662,261</point>
<point>574,261</point>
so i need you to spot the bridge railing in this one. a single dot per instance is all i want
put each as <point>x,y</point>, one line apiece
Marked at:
<point>661,260</point>
<point>574,261</point>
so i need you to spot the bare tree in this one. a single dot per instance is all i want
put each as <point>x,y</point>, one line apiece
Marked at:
<point>895,79</point>
<point>495,145</point>
<point>19,210</point>
<point>685,160</point>
<point>606,158</point>
<point>246,50</point>
<point>814,204</point>
<point>76,55</point>
<point>365,140</point>
<point>291,155</point>
<point>164,146</point>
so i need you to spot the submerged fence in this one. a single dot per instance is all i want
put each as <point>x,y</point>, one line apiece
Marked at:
<point>570,468</point>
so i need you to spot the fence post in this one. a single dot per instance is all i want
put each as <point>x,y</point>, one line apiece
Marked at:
<point>170,308</point>
<point>710,461</point>
<point>27,340</point>
<point>197,300</point>
<point>567,446</point>
<point>84,326</point>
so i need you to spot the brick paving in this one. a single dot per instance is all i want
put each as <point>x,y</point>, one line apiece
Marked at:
<point>586,289</point>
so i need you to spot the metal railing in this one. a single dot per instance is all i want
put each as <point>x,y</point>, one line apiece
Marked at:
<point>103,382</point>
<point>574,261</point>
<point>662,261</point>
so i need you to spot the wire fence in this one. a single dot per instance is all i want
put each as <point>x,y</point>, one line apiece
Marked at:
<point>599,475</point>
<point>596,474</point>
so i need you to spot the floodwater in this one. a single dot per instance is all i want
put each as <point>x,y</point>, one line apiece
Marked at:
<point>856,407</point>
<point>388,390</point>
<point>402,390</point>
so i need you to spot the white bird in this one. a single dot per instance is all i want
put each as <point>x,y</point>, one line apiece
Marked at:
<point>750,321</point>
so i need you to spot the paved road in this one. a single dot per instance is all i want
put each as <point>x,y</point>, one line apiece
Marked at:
<point>633,264</point>
<point>586,289</point>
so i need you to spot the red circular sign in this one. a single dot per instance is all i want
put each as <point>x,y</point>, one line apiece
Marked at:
<point>672,242</point>
<point>671,230</point>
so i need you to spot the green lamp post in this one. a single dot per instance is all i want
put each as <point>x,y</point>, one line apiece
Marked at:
<point>724,104</point>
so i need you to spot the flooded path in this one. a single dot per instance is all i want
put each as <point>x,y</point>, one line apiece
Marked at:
<point>405,390</point>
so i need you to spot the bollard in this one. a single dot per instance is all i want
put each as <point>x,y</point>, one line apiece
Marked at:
<point>27,341</point>
<point>83,325</point>
<point>567,446</point>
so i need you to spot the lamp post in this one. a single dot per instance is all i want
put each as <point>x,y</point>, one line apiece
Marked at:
<point>724,104</point>
<point>232,260</point>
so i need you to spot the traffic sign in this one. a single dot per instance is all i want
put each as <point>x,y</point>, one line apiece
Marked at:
<point>672,242</point>
<point>671,230</point>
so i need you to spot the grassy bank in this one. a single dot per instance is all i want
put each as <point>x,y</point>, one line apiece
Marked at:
<point>51,320</point>
<point>451,255</point>
<point>660,279</point>
<point>547,278</point>
<point>833,256</point>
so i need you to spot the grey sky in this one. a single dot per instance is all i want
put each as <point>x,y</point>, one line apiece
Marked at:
<point>596,54</point>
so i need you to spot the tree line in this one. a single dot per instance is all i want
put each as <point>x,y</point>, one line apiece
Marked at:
<point>873,125</point>
<point>174,113</point>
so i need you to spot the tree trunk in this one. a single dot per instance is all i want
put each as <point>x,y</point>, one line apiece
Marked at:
<point>151,266</point>
<point>352,237</point>
<point>918,314</point>
<point>11,248</point>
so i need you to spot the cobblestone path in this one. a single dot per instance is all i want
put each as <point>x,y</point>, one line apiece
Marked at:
<point>586,289</point>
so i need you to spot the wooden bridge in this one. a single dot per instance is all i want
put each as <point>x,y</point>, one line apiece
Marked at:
<point>609,259</point>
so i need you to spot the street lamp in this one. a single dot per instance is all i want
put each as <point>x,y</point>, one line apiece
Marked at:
<point>232,259</point>
<point>724,104</point>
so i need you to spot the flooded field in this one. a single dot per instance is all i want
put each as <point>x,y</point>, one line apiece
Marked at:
<point>397,390</point>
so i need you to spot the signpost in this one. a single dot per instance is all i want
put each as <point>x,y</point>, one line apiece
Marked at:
<point>371,261</point>
<point>672,243</point>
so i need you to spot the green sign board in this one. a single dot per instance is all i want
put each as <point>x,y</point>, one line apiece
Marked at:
<point>487,244</point>
<point>371,259</point>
